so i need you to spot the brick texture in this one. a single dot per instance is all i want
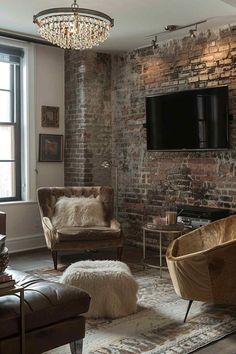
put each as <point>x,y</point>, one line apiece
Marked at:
<point>87,118</point>
<point>148,181</point>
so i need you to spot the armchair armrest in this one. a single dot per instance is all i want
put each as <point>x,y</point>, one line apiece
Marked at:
<point>115,225</point>
<point>49,232</point>
<point>47,222</point>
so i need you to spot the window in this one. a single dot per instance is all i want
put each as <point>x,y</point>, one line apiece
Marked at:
<point>10,123</point>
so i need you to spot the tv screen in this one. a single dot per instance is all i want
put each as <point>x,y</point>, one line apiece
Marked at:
<point>188,120</point>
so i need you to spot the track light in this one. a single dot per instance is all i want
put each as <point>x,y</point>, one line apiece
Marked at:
<point>171,28</point>
<point>154,43</point>
<point>192,32</point>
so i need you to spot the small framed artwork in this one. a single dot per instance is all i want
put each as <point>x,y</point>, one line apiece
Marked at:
<point>50,117</point>
<point>50,148</point>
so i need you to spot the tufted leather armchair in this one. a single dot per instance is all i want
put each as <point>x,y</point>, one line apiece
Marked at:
<point>78,237</point>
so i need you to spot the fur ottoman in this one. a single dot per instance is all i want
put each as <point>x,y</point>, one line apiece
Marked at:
<point>110,285</point>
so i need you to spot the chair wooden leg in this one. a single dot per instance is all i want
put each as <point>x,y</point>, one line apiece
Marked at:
<point>188,309</point>
<point>54,257</point>
<point>76,347</point>
<point>119,253</point>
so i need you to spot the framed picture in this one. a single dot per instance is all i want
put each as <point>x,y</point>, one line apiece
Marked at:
<point>50,117</point>
<point>50,148</point>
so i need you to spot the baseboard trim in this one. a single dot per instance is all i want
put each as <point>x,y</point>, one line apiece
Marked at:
<point>25,243</point>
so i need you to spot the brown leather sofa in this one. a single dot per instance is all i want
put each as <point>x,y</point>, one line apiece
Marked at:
<point>76,237</point>
<point>2,223</point>
<point>53,316</point>
<point>202,263</point>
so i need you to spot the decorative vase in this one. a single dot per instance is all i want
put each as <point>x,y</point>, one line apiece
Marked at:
<point>4,259</point>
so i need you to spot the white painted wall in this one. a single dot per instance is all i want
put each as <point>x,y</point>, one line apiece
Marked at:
<point>49,91</point>
<point>24,229</point>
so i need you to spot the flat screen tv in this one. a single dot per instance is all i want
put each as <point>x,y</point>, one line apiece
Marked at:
<point>188,120</point>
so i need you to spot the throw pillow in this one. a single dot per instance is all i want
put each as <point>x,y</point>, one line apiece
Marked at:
<point>78,211</point>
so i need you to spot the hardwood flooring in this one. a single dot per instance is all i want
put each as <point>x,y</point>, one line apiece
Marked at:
<point>42,258</point>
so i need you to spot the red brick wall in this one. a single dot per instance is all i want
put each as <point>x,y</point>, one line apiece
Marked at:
<point>87,117</point>
<point>148,181</point>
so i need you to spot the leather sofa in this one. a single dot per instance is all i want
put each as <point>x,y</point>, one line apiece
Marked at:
<point>2,223</point>
<point>75,237</point>
<point>53,316</point>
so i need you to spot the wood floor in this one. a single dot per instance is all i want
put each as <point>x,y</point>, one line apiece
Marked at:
<point>42,258</point>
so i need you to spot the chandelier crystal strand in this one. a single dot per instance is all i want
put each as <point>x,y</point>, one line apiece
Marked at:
<point>74,28</point>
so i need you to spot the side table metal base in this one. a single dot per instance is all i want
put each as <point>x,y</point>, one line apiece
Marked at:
<point>161,232</point>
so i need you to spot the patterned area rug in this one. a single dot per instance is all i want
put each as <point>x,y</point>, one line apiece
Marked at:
<point>158,325</point>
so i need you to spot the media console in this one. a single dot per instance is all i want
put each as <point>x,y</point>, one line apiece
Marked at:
<point>194,217</point>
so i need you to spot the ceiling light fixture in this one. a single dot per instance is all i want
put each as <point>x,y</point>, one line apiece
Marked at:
<point>73,27</point>
<point>193,32</point>
<point>154,43</point>
<point>173,28</point>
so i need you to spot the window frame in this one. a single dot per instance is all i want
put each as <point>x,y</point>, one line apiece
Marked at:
<point>15,122</point>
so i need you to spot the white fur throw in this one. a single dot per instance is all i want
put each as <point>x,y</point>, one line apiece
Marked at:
<point>76,211</point>
<point>110,285</point>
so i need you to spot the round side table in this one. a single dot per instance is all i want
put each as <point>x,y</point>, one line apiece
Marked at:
<point>162,230</point>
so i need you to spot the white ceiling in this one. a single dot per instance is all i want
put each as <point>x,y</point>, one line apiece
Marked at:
<point>134,19</point>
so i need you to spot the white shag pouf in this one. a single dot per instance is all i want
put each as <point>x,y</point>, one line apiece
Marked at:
<point>110,284</point>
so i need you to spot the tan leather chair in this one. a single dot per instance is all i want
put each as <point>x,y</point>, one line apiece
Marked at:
<point>202,263</point>
<point>77,237</point>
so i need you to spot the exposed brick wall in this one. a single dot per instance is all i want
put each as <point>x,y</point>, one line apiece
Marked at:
<point>148,181</point>
<point>87,117</point>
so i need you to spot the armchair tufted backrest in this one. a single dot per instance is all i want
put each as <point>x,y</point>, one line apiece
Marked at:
<point>48,196</point>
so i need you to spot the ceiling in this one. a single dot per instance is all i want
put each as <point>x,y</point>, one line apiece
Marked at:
<point>134,19</point>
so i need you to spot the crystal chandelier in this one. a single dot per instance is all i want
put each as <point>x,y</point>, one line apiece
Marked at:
<point>73,27</point>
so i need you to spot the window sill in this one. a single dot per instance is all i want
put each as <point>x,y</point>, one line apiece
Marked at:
<point>20,202</point>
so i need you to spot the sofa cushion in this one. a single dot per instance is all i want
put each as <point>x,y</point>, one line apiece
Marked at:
<point>45,303</point>
<point>80,211</point>
<point>84,234</point>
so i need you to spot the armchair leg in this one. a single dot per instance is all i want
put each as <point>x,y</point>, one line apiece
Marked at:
<point>76,347</point>
<point>119,253</point>
<point>54,257</point>
<point>188,309</point>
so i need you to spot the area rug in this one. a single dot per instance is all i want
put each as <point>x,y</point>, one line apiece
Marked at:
<point>158,326</point>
